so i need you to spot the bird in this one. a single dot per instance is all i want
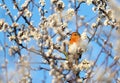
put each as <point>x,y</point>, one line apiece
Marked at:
<point>74,47</point>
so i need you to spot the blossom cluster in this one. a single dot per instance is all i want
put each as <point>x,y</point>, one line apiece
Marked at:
<point>48,34</point>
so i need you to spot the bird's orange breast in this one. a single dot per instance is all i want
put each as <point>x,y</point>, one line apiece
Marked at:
<point>75,38</point>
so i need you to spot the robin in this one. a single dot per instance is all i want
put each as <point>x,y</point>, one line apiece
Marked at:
<point>74,46</point>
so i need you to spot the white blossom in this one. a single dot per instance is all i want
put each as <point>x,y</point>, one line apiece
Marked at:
<point>54,80</point>
<point>47,43</point>
<point>89,2</point>
<point>42,2</point>
<point>82,17</point>
<point>12,37</point>
<point>81,0</point>
<point>60,6</point>
<point>115,10</point>
<point>53,20</point>
<point>27,13</point>
<point>58,39</point>
<point>75,67</point>
<point>15,24</point>
<point>79,80</point>
<point>93,25</point>
<point>106,22</point>
<point>84,41</point>
<point>109,13</point>
<point>54,1</point>
<point>84,65</point>
<point>25,4</point>
<point>4,6</point>
<point>69,14</point>
<point>1,22</point>
<point>94,9</point>
<point>65,65</point>
<point>116,58</point>
<point>13,49</point>
<point>84,35</point>
<point>5,27</point>
<point>48,53</point>
<point>65,25</point>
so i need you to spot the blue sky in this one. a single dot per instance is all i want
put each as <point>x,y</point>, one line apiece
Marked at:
<point>37,76</point>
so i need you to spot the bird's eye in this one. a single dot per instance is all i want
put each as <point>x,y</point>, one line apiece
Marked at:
<point>75,34</point>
